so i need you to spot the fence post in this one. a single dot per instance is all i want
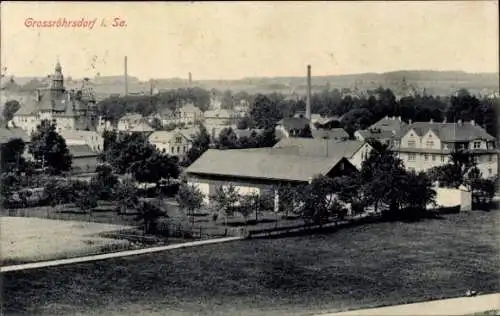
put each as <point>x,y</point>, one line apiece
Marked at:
<point>200,232</point>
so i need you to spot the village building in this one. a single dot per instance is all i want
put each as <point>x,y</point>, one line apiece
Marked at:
<point>259,171</point>
<point>173,143</point>
<point>338,134</point>
<point>355,151</point>
<point>188,114</point>
<point>69,109</point>
<point>291,126</point>
<point>84,159</point>
<point>8,134</point>
<point>220,117</point>
<point>383,131</point>
<point>424,145</point>
<point>92,139</point>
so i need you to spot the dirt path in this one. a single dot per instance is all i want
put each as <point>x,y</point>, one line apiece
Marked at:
<point>454,306</point>
<point>127,253</point>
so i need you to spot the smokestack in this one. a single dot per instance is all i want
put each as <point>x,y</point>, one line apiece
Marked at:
<point>190,79</point>
<point>126,77</point>
<point>308,101</point>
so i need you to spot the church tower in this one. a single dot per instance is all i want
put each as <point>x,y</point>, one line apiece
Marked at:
<point>57,85</point>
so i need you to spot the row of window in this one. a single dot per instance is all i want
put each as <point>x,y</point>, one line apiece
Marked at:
<point>427,157</point>
<point>430,144</point>
<point>176,150</point>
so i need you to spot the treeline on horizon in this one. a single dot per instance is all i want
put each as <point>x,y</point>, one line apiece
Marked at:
<point>355,112</point>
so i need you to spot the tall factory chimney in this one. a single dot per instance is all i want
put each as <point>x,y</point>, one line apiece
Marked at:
<point>308,100</point>
<point>126,76</point>
<point>190,79</point>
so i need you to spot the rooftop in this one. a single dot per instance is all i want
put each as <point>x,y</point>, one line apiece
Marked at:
<point>320,147</point>
<point>80,151</point>
<point>7,134</point>
<point>261,164</point>
<point>389,124</point>
<point>334,133</point>
<point>449,132</point>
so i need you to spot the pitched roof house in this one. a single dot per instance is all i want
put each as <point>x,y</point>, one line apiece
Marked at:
<point>334,133</point>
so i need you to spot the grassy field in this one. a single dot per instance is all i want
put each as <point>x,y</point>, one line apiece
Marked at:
<point>359,267</point>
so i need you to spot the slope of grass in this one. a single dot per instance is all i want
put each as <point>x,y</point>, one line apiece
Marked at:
<point>360,267</point>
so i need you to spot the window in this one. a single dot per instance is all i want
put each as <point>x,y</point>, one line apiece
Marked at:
<point>490,171</point>
<point>430,143</point>
<point>490,158</point>
<point>178,139</point>
<point>172,149</point>
<point>442,158</point>
<point>433,157</point>
<point>412,157</point>
<point>411,143</point>
<point>178,149</point>
<point>445,146</point>
<point>426,157</point>
<point>477,145</point>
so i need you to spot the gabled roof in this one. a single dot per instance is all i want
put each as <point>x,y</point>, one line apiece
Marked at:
<point>294,123</point>
<point>189,107</point>
<point>320,147</point>
<point>334,133</point>
<point>132,117</point>
<point>141,127</point>
<point>189,133</point>
<point>70,134</point>
<point>376,134</point>
<point>261,165</point>
<point>389,124</point>
<point>165,137</point>
<point>449,132</point>
<point>7,134</point>
<point>80,151</point>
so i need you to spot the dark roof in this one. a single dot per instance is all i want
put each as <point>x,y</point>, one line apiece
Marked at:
<point>247,132</point>
<point>294,123</point>
<point>334,133</point>
<point>320,147</point>
<point>261,164</point>
<point>376,134</point>
<point>389,124</point>
<point>449,132</point>
<point>7,134</point>
<point>80,151</point>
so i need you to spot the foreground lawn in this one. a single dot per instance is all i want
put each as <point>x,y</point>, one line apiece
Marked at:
<point>360,267</point>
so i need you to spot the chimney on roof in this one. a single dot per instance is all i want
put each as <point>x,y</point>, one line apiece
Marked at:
<point>308,100</point>
<point>472,122</point>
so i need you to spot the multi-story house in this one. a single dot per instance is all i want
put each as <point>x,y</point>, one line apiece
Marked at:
<point>173,143</point>
<point>424,145</point>
<point>188,114</point>
<point>69,109</point>
<point>90,138</point>
<point>220,117</point>
<point>383,131</point>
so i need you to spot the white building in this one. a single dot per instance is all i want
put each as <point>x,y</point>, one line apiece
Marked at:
<point>424,145</point>
<point>172,143</point>
<point>90,138</point>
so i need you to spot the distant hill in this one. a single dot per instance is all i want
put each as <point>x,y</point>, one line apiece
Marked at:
<point>434,82</point>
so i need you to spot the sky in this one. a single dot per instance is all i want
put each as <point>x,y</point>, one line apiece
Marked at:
<point>217,40</point>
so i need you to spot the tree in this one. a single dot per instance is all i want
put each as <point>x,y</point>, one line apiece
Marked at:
<point>265,111</point>
<point>305,132</point>
<point>249,204</point>
<point>12,155</point>
<point>455,172</point>
<point>350,191</point>
<point>9,182</point>
<point>190,198</point>
<point>383,175</point>
<point>225,198</point>
<point>154,167</point>
<point>418,192</point>
<point>156,124</point>
<point>49,148</point>
<point>58,192</point>
<point>227,139</point>
<point>319,201</point>
<point>127,196</point>
<point>86,199</point>
<point>104,183</point>
<point>9,109</point>
<point>201,143</point>
<point>148,215</point>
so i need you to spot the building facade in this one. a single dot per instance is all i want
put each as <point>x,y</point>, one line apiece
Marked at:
<point>70,110</point>
<point>173,143</point>
<point>424,145</point>
<point>90,138</point>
